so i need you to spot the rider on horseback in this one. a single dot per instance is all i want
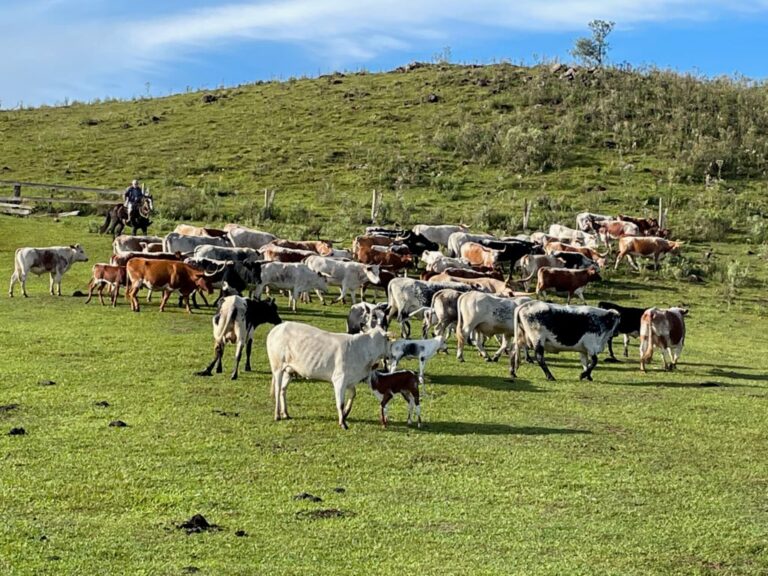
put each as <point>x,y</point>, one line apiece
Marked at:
<point>133,196</point>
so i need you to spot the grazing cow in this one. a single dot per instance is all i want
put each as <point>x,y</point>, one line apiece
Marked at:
<point>491,285</point>
<point>55,260</point>
<point>385,259</point>
<point>478,255</point>
<point>167,275</point>
<point>233,276</point>
<point>651,246</point>
<point>629,325</point>
<point>296,349</point>
<point>406,296</point>
<point>588,222</point>
<point>614,229</point>
<point>363,317</point>
<point>322,247</point>
<point>188,230</point>
<point>565,280</point>
<point>590,253</point>
<point>236,321</point>
<point>422,350</point>
<point>241,237</point>
<point>647,226</point>
<point>224,253</point>
<point>274,253</point>
<point>126,243</point>
<point>296,278</point>
<point>445,313</point>
<point>103,275</point>
<point>530,264</point>
<point>555,328</point>
<point>511,250</point>
<point>456,239</point>
<point>664,329</point>
<point>486,315</point>
<point>174,242</point>
<point>438,234</point>
<point>348,275</point>
<point>566,234</point>
<point>385,386</point>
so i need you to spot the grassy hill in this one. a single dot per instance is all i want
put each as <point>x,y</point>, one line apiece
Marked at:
<point>477,138</point>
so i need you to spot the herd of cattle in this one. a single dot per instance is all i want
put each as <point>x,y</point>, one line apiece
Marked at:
<point>473,285</point>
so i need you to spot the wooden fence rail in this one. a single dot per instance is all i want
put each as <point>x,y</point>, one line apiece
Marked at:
<point>13,204</point>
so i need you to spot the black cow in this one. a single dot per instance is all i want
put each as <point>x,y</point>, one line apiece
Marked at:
<point>236,276</point>
<point>416,243</point>
<point>236,321</point>
<point>574,260</point>
<point>511,250</point>
<point>628,326</point>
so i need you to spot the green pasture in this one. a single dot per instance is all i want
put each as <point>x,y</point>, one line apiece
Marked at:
<point>658,473</point>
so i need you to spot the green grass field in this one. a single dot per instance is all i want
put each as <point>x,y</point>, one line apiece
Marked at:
<point>658,473</point>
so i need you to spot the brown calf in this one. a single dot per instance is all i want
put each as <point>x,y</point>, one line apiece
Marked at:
<point>384,386</point>
<point>479,255</point>
<point>565,280</point>
<point>107,275</point>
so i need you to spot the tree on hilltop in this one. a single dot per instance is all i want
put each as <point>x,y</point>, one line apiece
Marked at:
<point>593,51</point>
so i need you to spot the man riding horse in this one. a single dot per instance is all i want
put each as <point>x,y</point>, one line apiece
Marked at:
<point>134,212</point>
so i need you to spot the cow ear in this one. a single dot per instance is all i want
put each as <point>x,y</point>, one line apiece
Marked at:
<point>684,311</point>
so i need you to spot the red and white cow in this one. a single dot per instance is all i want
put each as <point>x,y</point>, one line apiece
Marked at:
<point>665,329</point>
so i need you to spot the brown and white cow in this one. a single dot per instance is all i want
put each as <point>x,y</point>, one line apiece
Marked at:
<point>168,276</point>
<point>615,229</point>
<point>385,386</point>
<point>565,280</point>
<point>664,329</point>
<point>590,253</point>
<point>647,247</point>
<point>103,275</point>
<point>55,260</point>
<point>274,253</point>
<point>322,247</point>
<point>479,255</point>
<point>647,226</point>
<point>189,230</point>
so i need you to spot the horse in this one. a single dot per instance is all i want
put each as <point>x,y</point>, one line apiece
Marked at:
<point>117,218</point>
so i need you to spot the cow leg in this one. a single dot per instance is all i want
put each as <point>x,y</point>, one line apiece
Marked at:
<point>218,352</point>
<point>57,281</point>
<point>503,347</point>
<point>51,284</point>
<point>580,294</point>
<point>611,355</point>
<point>589,364</point>
<point>132,294</point>
<point>248,347</point>
<point>619,258</point>
<point>422,364</point>
<point>350,400</point>
<point>540,360</point>
<point>91,286</point>
<point>405,329</point>
<point>281,381</point>
<point>164,300</point>
<point>385,398</point>
<point>101,293</point>
<point>338,388</point>
<point>115,294</point>
<point>238,355</point>
<point>632,262</point>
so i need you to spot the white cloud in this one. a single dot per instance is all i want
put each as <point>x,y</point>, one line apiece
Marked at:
<point>79,48</point>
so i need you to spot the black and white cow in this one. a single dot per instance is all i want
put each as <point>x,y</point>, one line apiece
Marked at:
<point>364,316</point>
<point>628,326</point>
<point>556,328</point>
<point>55,260</point>
<point>235,322</point>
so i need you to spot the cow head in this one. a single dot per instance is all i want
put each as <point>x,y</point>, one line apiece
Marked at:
<point>324,247</point>
<point>268,312</point>
<point>593,275</point>
<point>372,272</point>
<point>674,247</point>
<point>78,254</point>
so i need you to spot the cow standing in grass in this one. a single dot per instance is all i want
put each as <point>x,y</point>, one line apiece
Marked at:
<point>55,260</point>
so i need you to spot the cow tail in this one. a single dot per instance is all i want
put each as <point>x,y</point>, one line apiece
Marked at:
<point>222,320</point>
<point>646,335</point>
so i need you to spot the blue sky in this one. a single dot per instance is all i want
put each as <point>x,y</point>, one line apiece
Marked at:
<point>54,51</point>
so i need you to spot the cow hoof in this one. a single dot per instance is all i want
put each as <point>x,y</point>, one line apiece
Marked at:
<point>248,369</point>
<point>233,377</point>
<point>203,373</point>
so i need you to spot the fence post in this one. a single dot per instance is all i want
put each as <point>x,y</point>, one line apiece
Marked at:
<point>527,205</point>
<point>17,193</point>
<point>661,214</point>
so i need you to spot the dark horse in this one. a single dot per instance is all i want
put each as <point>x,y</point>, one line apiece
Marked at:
<point>117,218</point>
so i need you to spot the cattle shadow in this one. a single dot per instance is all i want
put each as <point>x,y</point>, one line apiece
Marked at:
<point>738,375</point>
<point>634,286</point>
<point>492,383</point>
<point>493,429</point>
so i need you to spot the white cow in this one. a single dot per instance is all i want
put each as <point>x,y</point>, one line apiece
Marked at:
<point>406,296</point>
<point>589,222</point>
<point>295,277</point>
<point>242,237</point>
<point>125,243</point>
<point>458,238</point>
<point>55,260</point>
<point>438,234</point>
<point>566,234</point>
<point>349,275</point>
<point>175,242</point>
<point>486,315</point>
<point>297,349</point>
<point>422,350</point>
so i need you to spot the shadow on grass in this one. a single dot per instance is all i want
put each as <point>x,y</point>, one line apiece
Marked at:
<point>490,382</point>
<point>484,429</point>
<point>738,375</point>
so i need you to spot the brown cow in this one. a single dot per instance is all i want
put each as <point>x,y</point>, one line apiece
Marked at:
<point>385,386</point>
<point>646,226</point>
<point>103,275</point>
<point>651,246</point>
<point>490,285</point>
<point>322,247</point>
<point>274,253</point>
<point>167,275</point>
<point>385,277</point>
<point>384,258</point>
<point>188,230</point>
<point>614,229</point>
<point>665,329</point>
<point>565,280</point>
<point>479,255</point>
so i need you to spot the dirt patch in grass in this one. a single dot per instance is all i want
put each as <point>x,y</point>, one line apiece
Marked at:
<point>7,408</point>
<point>197,524</point>
<point>307,496</point>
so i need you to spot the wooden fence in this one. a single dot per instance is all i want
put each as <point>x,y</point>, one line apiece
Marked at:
<point>22,205</point>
